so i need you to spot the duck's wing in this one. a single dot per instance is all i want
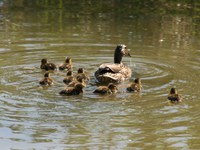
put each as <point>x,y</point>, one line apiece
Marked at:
<point>115,68</point>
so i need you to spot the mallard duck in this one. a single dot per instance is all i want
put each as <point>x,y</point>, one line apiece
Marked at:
<point>81,74</point>
<point>47,80</point>
<point>69,77</point>
<point>67,65</point>
<point>173,96</point>
<point>117,71</point>
<point>111,88</point>
<point>136,86</point>
<point>76,90</point>
<point>46,65</point>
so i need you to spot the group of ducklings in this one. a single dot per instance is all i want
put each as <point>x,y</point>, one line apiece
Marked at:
<point>76,83</point>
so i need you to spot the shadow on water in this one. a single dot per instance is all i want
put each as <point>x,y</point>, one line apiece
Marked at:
<point>164,43</point>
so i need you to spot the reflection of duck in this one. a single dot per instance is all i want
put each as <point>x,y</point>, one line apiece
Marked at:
<point>67,65</point>
<point>111,88</point>
<point>174,97</point>
<point>69,77</point>
<point>81,74</point>
<point>46,65</point>
<point>47,80</point>
<point>76,90</point>
<point>117,71</point>
<point>136,86</point>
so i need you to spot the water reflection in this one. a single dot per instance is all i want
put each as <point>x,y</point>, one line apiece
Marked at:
<point>165,53</point>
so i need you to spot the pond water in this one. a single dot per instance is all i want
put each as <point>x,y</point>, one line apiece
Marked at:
<point>165,53</point>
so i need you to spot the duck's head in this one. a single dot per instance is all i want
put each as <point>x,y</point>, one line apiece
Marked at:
<point>173,91</point>
<point>44,61</point>
<point>120,51</point>
<point>80,70</point>
<point>69,73</point>
<point>47,75</point>
<point>79,87</point>
<point>68,60</point>
<point>137,80</point>
<point>112,87</point>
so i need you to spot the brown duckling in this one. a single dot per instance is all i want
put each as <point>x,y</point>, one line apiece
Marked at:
<point>47,80</point>
<point>136,86</point>
<point>69,77</point>
<point>174,97</point>
<point>111,88</point>
<point>67,65</point>
<point>75,81</point>
<point>81,74</point>
<point>76,90</point>
<point>46,65</point>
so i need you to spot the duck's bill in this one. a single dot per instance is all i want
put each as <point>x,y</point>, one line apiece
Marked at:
<point>127,53</point>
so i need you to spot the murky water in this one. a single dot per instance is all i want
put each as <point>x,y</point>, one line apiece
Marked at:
<point>165,53</point>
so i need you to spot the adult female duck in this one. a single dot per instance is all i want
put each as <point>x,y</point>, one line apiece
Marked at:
<point>116,72</point>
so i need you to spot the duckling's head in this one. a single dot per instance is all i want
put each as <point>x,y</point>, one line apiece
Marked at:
<point>47,75</point>
<point>79,87</point>
<point>173,91</point>
<point>68,60</point>
<point>137,80</point>
<point>112,87</point>
<point>44,61</point>
<point>80,70</point>
<point>69,73</point>
<point>120,51</point>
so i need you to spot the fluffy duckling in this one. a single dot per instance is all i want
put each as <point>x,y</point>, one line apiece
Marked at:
<point>47,80</point>
<point>77,80</point>
<point>111,88</point>
<point>67,65</point>
<point>46,65</point>
<point>69,77</point>
<point>136,86</point>
<point>81,74</point>
<point>174,97</point>
<point>76,90</point>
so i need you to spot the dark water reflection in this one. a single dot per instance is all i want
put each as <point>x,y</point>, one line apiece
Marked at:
<point>165,50</point>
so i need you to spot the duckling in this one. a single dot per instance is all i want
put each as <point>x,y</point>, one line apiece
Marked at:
<point>67,65</point>
<point>136,86</point>
<point>46,65</point>
<point>81,74</point>
<point>76,90</point>
<point>174,97</point>
<point>111,88</point>
<point>69,77</point>
<point>47,80</point>
<point>75,81</point>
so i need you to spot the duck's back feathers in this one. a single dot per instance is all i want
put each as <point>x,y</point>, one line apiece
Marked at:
<point>115,73</point>
<point>102,90</point>
<point>174,98</point>
<point>48,66</point>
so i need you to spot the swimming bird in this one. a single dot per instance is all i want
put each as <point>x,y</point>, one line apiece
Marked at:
<point>81,74</point>
<point>136,86</point>
<point>173,96</point>
<point>47,65</point>
<point>47,80</point>
<point>75,81</point>
<point>76,90</point>
<point>111,88</point>
<point>114,72</point>
<point>69,77</point>
<point>67,65</point>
